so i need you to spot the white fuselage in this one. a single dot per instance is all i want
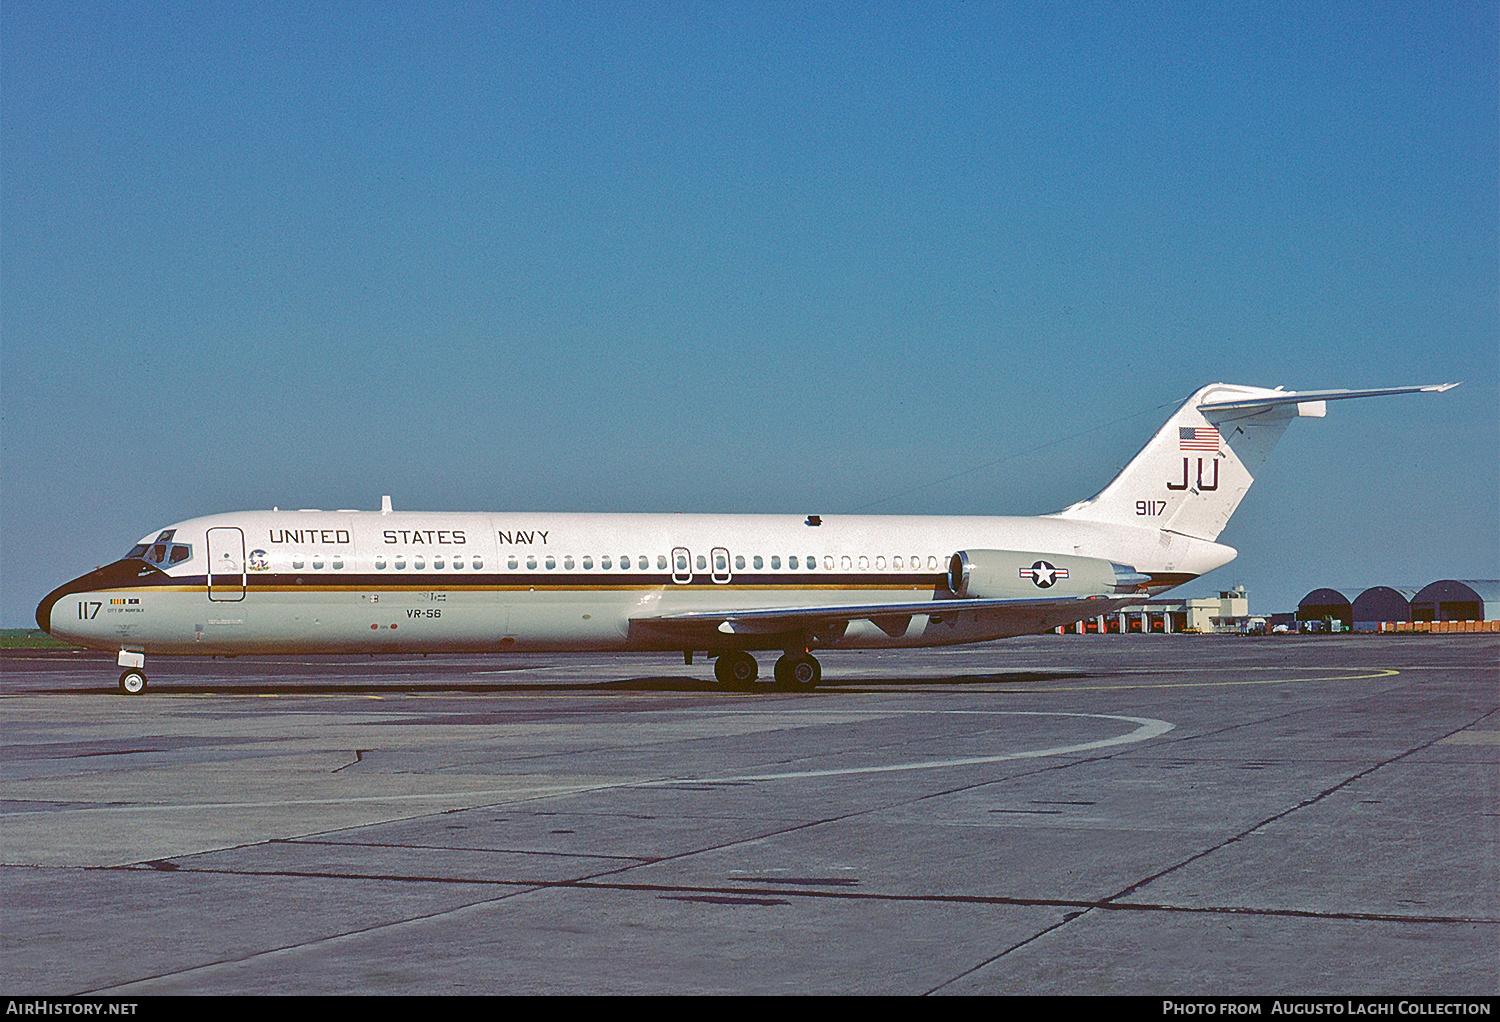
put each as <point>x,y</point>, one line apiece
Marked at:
<point>362,581</point>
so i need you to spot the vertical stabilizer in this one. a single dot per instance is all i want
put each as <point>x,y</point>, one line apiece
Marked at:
<point>1193,474</point>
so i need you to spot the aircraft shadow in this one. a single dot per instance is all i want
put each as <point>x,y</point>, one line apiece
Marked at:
<point>640,684</point>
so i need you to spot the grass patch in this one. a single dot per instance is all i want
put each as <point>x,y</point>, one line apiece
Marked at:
<point>29,638</point>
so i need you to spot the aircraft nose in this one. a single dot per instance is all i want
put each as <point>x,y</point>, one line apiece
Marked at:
<point>82,584</point>
<point>127,571</point>
<point>44,612</point>
<point>44,609</point>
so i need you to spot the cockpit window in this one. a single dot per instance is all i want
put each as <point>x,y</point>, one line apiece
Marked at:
<point>162,552</point>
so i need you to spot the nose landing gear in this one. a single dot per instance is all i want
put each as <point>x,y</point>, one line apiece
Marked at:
<point>133,681</point>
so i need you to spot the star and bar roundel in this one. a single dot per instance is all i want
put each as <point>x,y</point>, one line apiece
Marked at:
<point>1043,574</point>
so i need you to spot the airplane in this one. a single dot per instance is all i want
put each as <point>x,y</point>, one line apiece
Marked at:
<point>387,581</point>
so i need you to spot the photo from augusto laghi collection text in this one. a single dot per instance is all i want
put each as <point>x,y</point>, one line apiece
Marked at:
<point>1327,1006</point>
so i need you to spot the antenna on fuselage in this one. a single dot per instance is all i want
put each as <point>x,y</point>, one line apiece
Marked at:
<point>385,504</point>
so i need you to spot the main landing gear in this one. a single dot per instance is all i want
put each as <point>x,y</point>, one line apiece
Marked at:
<point>794,672</point>
<point>735,667</point>
<point>799,671</point>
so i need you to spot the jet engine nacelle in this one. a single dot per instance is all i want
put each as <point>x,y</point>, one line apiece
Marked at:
<point>1018,575</point>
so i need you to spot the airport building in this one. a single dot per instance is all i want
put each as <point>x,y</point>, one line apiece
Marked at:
<point>1230,612</point>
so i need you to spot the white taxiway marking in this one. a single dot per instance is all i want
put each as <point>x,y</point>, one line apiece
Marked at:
<point>1146,728</point>
<point>1471,736</point>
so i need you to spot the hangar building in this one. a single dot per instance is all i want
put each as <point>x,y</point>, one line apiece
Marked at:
<point>1333,607</point>
<point>1445,600</point>
<point>1458,600</point>
<point>1381,603</point>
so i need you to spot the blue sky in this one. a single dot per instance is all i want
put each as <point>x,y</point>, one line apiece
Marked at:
<point>744,257</point>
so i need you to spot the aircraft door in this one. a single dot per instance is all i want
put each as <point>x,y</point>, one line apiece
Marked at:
<point>682,565</point>
<point>226,564</point>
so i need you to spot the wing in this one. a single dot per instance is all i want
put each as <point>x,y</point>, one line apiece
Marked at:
<point>711,626</point>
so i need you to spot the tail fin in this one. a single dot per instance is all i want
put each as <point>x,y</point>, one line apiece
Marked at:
<point>1193,474</point>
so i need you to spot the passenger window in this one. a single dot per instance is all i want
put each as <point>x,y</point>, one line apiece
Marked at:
<point>531,562</point>
<point>419,563</point>
<point>846,564</point>
<point>879,563</point>
<point>702,563</point>
<point>739,562</point>
<point>758,562</point>
<point>400,564</point>
<point>317,564</point>
<point>338,564</point>
<point>478,563</point>
<point>588,564</point>
<point>721,563</point>
<point>458,563</point>
<point>606,562</point>
<point>625,563</point>
<point>682,564</point>
<point>661,562</point>
<point>864,563</point>
<point>380,564</point>
<point>896,563</point>
<point>932,563</point>
<point>438,562</point>
<point>776,563</point>
<point>512,563</point>
<point>812,562</point>
<point>551,562</point>
<point>791,562</point>
<point>297,562</point>
<point>643,562</point>
<point>568,563</point>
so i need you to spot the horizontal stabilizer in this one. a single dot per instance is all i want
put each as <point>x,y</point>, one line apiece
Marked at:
<point>1306,396</point>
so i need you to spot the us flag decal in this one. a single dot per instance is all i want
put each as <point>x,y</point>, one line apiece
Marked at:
<point>1199,438</point>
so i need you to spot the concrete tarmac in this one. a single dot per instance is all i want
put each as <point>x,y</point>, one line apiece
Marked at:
<point>1161,815</point>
